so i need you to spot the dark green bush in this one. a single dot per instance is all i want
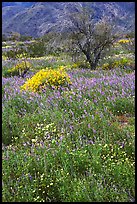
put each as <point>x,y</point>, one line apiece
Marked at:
<point>36,49</point>
<point>15,52</point>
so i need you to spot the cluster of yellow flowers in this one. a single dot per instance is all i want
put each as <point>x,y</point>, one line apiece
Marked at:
<point>22,55</point>
<point>123,41</point>
<point>4,57</point>
<point>113,154</point>
<point>75,65</point>
<point>47,77</point>
<point>117,63</point>
<point>23,65</point>
<point>19,68</point>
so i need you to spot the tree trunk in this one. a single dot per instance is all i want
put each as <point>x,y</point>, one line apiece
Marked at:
<point>92,64</point>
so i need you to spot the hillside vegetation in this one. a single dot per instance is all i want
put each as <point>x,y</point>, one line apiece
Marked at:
<point>68,129</point>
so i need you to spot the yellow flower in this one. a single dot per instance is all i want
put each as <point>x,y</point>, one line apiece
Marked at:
<point>124,41</point>
<point>47,77</point>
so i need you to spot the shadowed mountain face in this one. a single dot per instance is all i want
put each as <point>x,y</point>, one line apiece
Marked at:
<point>38,18</point>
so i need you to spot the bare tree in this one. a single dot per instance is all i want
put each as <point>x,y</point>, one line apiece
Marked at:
<point>93,38</point>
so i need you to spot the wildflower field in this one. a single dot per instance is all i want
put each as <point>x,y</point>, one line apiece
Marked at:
<point>68,133</point>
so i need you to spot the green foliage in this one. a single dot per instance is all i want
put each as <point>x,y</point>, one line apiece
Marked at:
<point>123,106</point>
<point>18,70</point>
<point>14,36</point>
<point>36,49</point>
<point>130,35</point>
<point>81,65</point>
<point>68,145</point>
<point>123,63</point>
<point>12,118</point>
<point>15,52</point>
<point>24,38</point>
<point>52,174</point>
<point>11,54</point>
<point>9,125</point>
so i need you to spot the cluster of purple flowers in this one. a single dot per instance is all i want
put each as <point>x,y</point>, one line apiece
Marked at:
<point>108,86</point>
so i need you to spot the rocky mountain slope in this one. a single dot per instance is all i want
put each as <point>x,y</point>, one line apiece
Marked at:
<point>38,18</point>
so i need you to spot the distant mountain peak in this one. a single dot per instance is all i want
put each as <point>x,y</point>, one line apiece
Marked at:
<point>37,18</point>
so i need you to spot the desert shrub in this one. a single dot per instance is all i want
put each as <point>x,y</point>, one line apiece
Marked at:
<point>36,49</point>
<point>11,54</point>
<point>4,57</point>
<point>14,52</point>
<point>47,77</point>
<point>20,44</point>
<point>123,63</point>
<point>18,70</point>
<point>23,54</point>
<point>128,44</point>
<point>81,65</point>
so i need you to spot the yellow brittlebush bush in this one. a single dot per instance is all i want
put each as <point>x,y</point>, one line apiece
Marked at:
<point>47,77</point>
<point>124,41</point>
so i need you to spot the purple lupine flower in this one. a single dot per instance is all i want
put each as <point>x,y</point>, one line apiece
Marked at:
<point>90,142</point>
<point>94,131</point>
<point>30,177</point>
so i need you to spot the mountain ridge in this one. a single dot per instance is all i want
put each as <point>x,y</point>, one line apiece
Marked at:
<point>38,18</point>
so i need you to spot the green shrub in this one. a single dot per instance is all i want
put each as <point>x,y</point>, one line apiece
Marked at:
<point>18,70</point>
<point>81,65</point>
<point>14,52</point>
<point>36,49</point>
<point>122,63</point>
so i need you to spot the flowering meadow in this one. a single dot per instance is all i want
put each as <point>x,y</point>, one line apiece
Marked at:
<point>72,143</point>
